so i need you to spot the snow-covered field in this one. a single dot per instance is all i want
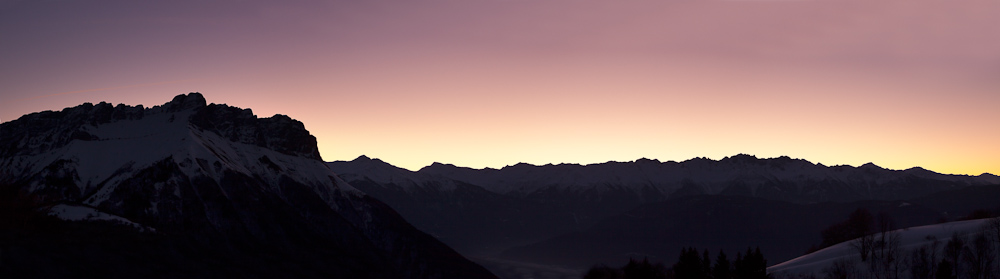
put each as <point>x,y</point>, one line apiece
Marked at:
<point>910,239</point>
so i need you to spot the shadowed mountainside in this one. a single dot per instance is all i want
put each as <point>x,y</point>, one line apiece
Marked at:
<point>577,215</point>
<point>202,183</point>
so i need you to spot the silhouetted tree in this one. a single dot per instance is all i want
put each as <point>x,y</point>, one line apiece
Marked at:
<point>859,223</point>
<point>992,230</point>
<point>643,270</point>
<point>860,227</point>
<point>689,265</point>
<point>952,254</point>
<point>978,258</point>
<point>842,269</point>
<point>978,214</point>
<point>632,270</point>
<point>923,260</point>
<point>945,270</point>
<point>751,266</point>
<point>723,269</point>
<point>706,265</point>
<point>760,269</point>
<point>886,256</point>
<point>603,272</point>
<point>738,266</point>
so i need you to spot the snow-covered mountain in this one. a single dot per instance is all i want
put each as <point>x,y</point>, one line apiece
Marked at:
<point>525,210</point>
<point>781,178</point>
<point>475,220</point>
<point>467,217</point>
<point>218,174</point>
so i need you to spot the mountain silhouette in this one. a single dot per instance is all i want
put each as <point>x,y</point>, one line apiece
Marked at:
<point>196,190</point>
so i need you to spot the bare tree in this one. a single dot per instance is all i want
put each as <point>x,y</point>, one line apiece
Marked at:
<point>864,246</point>
<point>923,260</point>
<point>886,258</point>
<point>978,258</point>
<point>953,253</point>
<point>944,270</point>
<point>843,269</point>
<point>859,226</point>
<point>992,230</point>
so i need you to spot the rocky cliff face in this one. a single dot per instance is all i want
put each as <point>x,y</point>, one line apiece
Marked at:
<point>222,177</point>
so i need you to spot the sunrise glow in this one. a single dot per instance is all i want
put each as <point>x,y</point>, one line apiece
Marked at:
<point>494,83</point>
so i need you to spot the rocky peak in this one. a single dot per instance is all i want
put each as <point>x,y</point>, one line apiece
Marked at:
<point>365,160</point>
<point>870,167</point>
<point>645,160</point>
<point>279,132</point>
<point>209,174</point>
<point>741,159</point>
<point>190,101</point>
<point>43,131</point>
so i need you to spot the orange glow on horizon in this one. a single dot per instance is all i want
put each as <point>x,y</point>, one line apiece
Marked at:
<point>494,83</point>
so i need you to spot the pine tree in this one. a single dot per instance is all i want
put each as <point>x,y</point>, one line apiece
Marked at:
<point>689,265</point>
<point>643,270</point>
<point>603,272</point>
<point>759,265</point>
<point>751,266</point>
<point>706,266</point>
<point>722,270</point>
<point>738,267</point>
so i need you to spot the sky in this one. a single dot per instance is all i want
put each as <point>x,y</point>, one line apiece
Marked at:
<point>490,83</point>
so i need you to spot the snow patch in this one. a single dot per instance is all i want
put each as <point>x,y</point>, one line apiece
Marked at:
<point>910,238</point>
<point>83,213</point>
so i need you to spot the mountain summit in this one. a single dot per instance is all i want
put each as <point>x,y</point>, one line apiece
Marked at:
<point>231,193</point>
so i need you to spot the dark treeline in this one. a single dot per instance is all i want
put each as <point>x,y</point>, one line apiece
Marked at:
<point>690,265</point>
<point>859,223</point>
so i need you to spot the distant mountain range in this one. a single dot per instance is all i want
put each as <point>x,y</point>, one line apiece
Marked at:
<point>782,178</point>
<point>576,215</point>
<point>195,190</point>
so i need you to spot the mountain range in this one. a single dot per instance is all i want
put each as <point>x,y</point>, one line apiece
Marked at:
<point>196,190</point>
<point>576,215</point>
<point>190,189</point>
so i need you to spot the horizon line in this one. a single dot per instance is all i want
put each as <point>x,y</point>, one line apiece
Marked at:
<point>667,161</point>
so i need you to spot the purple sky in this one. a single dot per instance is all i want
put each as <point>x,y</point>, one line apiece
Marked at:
<point>488,83</point>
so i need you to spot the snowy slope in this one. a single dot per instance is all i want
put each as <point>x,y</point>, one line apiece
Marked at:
<point>83,213</point>
<point>910,238</point>
<point>116,150</point>
<point>216,173</point>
